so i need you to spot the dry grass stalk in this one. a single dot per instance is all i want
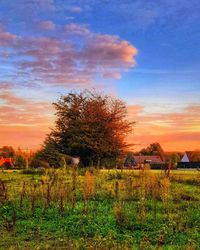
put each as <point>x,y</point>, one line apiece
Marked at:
<point>74,185</point>
<point>23,194</point>
<point>68,192</point>
<point>119,213</point>
<point>116,189</point>
<point>129,187</point>
<point>145,243</point>
<point>48,195</point>
<point>33,198</point>
<point>143,193</point>
<point>88,188</point>
<point>165,192</point>
<point>3,192</point>
<point>89,184</point>
<point>154,192</point>
<point>61,197</point>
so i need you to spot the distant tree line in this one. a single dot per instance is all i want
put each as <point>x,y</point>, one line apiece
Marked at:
<point>91,126</point>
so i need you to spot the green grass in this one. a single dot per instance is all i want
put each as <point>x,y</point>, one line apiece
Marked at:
<point>114,218</point>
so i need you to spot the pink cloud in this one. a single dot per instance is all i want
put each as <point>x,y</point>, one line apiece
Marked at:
<point>11,99</point>
<point>77,29</point>
<point>76,9</point>
<point>46,4</point>
<point>16,111</point>
<point>5,37</point>
<point>109,51</point>
<point>47,25</point>
<point>112,75</point>
<point>61,61</point>
<point>5,85</point>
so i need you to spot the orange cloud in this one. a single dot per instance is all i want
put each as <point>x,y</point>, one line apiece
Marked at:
<point>23,122</point>
<point>134,109</point>
<point>175,131</point>
<point>23,136</point>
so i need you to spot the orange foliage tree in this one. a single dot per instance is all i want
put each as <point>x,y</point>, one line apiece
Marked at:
<point>90,125</point>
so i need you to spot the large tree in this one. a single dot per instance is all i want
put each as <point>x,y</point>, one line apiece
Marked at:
<point>90,125</point>
<point>153,149</point>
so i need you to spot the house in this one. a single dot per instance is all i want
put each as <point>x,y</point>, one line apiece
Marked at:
<point>6,161</point>
<point>191,156</point>
<point>190,159</point>
<point>151,159</point>
<point>137,161</point>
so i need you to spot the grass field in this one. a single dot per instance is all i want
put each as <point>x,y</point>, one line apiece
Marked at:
<point>106,209</point>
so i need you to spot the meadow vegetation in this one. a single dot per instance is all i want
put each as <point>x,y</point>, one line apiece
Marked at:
<point>67,208</point>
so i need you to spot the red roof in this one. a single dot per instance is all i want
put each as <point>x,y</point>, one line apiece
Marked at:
<point>6,160</point>
<point>152,158</point>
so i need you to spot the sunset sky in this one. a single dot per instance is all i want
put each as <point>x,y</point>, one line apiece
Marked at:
<point>146,53</point>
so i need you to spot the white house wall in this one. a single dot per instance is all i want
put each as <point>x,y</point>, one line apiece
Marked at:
<point>185,158</point>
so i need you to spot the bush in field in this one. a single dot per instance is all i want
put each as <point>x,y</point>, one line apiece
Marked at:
<point>19,161</point>
<point>175,158</point>
<point>48,154</point>
<point>37,163</point>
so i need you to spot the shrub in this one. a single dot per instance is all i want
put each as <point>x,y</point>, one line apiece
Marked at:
<point>157,166</point>
<point>37,163</point>
<point>33,171</point>
<point>19,161</point>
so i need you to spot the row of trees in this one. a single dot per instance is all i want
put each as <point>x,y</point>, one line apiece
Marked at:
<point>88,125</point>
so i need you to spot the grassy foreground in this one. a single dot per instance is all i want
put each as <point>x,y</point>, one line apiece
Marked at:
<point>107,209</point>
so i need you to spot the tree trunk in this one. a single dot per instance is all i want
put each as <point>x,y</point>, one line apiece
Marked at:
<point>98,162</point>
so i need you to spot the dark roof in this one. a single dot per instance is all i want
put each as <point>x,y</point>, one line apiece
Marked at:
<point>153,158</point>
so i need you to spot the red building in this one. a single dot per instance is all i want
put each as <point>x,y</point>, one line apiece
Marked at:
<point>4,161</point>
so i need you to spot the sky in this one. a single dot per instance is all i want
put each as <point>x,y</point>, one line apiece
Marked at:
<point>146,53</point>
